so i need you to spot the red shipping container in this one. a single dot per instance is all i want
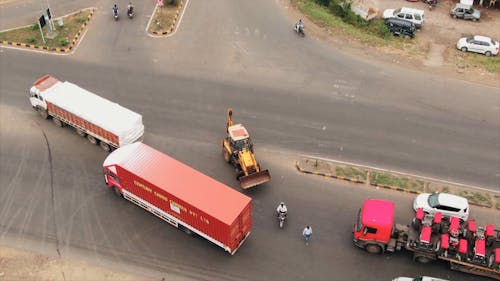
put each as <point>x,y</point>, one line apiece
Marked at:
<point>180,195</point>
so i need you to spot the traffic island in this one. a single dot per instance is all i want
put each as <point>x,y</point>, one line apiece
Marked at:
<point>396,181</point>
<point>68,31</point>
<point>165,17</point>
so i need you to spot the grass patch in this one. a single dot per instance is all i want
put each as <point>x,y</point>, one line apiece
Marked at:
<point>392,180</point>
<point>163,18</point>
<point>350,172</point>
<point>491,64</point>
<point>477,198</point>
<point>65,34</point>
<point>367,35</point>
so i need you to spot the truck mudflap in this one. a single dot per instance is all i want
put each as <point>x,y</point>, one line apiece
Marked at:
<point>254,179</point>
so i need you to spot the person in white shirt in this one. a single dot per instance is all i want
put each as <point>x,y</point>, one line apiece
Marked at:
<point>281,209</point>
<point>307,233</point>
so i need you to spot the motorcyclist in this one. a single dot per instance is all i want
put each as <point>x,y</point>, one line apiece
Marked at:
<point>115,9</point>
<point>299,26</point>
<point>281,209</point>
<point>130,8</point>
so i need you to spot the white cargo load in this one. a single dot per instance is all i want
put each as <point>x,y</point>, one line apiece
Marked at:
<point>118,120</point>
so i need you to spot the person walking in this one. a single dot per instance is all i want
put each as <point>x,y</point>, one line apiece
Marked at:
<point>307,232</point>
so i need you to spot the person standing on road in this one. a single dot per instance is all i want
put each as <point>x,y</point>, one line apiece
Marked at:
<point>307,232</point>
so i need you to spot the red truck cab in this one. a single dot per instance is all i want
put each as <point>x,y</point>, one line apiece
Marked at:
<point>374,225</point>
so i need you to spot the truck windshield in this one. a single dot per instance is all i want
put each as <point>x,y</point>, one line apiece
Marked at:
<point>433,200</point>
<point>358,221</point>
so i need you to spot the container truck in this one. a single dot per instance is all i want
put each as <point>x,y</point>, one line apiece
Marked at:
<point>103,122</point>
<point>179,195</point>
<point>462,244</point>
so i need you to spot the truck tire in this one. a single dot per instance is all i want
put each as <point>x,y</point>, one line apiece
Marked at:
<point>43,113</point>
<point>422,259</point>
<point>117,192</point>
<point>373,249</point>
<point>58,122</point>
<point>91,139</point>
<point>105,146</point>
<point>187,230</point>
<point>80,132</point>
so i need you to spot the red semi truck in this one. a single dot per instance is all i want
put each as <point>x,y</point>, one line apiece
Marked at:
<point>92,116</point>
<point>180,195</point>
<point>467,248</point>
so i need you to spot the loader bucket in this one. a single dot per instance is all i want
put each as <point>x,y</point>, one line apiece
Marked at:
<point>255,179</point>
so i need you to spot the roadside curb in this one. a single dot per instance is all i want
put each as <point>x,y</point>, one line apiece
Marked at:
<point>329,175</point>
<point>55,49</point>
<point>319,167</point>
<point>172,26</point>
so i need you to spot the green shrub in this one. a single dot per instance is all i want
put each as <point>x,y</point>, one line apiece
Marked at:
<point>31,39</point>
<point>63,42</point>
<point>81,20</point>
<point>379,28</point>
<point>325,3</point>
<point>172,2</point>
<point>34,26</point>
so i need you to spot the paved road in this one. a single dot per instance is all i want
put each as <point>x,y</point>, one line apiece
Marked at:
<point>295,96</point>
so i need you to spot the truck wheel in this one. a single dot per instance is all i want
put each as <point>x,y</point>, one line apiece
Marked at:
<point>80,132</point>
<point>187,230</point>
<point>58,122</point>
<point>373,249</point>
<point>422,259</point>
<point>91,139</point>
<point>105,146</point>
<point>227,157</point>
<point>43,113</point>
<point>117,192</point>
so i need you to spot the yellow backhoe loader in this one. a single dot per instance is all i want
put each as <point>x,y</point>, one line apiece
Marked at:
<point>238,151</point>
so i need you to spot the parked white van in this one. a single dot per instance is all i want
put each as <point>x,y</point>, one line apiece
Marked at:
<point>414,15</point>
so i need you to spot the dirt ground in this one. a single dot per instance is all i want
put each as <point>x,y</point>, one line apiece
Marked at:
<point>23,265</point>
<point>438,37</point>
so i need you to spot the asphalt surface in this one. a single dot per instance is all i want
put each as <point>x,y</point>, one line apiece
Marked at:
<point>296,96</point>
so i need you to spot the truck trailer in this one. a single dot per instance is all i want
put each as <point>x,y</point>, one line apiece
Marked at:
<point>462,244</point>
<point>180,195</point>
<point>103,122</point>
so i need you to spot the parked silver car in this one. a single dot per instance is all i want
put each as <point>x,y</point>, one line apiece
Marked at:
<point>465,12</point>
<point>478,44</point>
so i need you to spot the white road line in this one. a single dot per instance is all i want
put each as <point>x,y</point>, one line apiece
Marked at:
<point>402,173</point>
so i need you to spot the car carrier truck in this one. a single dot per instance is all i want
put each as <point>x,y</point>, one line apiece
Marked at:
<point>462,244</point>
<point>180,195</point>
<point>103,122</point>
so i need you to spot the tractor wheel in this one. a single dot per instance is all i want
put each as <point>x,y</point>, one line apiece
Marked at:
<point>422,259</point>
<point>373,249</point>
<point>227,156</point>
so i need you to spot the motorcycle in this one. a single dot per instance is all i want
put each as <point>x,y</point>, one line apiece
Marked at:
<point>299,29</point>
<point>130,13</point>
<point>115,15</point>
<point>432,4</point>
<point>281,219</point>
